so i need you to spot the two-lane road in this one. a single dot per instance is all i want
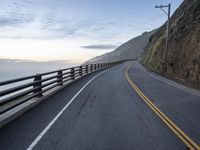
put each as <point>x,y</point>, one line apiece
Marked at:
<point>103,111</point>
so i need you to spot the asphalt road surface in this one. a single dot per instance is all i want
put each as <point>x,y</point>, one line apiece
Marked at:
<point>105,111</point>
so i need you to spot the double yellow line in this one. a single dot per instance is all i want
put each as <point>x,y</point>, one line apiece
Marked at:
<point>186,139</point>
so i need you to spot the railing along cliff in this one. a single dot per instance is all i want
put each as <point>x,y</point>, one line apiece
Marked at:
<point>36,86</point>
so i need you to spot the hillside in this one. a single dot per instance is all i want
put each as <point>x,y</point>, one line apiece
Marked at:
<point>129,50</point>
<point>184,46</point>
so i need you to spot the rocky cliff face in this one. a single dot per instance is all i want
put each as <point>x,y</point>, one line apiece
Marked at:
<point>184,46</point>
<point>129,50</point>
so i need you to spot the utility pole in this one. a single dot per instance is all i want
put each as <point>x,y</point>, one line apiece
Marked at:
<point>167,34</point>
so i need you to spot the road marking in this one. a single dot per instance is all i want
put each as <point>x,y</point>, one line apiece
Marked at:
<point>181,87</point>
<point>33,144</point>
<point>186,139</point>
<point>171,83</point>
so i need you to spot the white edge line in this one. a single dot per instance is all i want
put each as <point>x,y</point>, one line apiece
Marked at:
<point>33,144</point>
<point>185,89</point>
<point>172,83</point>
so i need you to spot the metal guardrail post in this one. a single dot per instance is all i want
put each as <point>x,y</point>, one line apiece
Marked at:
<point>95,67</point>
<point>91,68</point>
<point>72,74</point>
<point>80,70</point>
<point>38,84</point>
<point>60,78</point>
<point>86,69</point>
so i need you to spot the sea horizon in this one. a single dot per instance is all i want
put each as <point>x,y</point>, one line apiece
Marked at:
<point>11,70</point>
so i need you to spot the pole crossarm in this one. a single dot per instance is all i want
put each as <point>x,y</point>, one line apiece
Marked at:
<point>163,6</point>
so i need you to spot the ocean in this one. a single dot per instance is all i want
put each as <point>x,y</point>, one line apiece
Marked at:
<point>12,70</point>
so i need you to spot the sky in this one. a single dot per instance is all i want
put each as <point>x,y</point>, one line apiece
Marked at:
<point>73,30</point>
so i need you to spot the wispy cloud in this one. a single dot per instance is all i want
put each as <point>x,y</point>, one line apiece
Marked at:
<point>14,21</point>
<point>60,19</point>
<point>5,60</point>
<point>100,46</point>
<point>18,19</point>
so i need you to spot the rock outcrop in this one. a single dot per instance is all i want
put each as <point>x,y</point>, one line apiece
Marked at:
<point>183,59</point>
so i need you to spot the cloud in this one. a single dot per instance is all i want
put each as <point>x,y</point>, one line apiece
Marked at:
<point>100,46</point>
<point>19,20</point>
<point>5,60</point>
<point>15,20</point>
<point>58,61</point>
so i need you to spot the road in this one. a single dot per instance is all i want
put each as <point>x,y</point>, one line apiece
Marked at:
<point>103,111</point>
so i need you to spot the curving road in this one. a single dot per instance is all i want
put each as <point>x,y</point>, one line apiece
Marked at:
<point>109,110</point>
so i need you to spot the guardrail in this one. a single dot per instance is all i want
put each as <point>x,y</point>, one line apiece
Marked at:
<point>35,86</point>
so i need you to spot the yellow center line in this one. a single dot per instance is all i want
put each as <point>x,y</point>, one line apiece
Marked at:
<point>186,139</point>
